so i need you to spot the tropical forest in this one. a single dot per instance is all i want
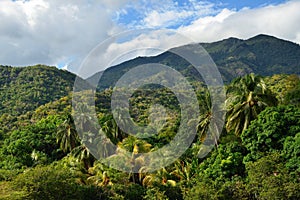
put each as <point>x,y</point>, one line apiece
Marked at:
<point>256,154</point>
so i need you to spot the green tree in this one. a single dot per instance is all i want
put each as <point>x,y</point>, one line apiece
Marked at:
<point>268,132</point>
<point>52,182</point>
<point>136,146</point>
<point>67,136</point>
<point>19,148</point>
<point>247,97</point>
<point>269,179</point>
<point>291,152</point>
<point>83,155</point>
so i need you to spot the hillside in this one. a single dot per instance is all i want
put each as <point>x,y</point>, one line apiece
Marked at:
<point>36,152</point>
<point>26,88</point>
<point>262,54</point>
<point>260,140</point>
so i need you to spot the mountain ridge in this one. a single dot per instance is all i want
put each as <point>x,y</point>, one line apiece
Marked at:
<point>262,54</point>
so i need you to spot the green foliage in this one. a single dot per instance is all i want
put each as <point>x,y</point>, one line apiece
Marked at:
<point>51,182</point>
<point>225,162</point>
<point>268,178</point>
<point>247,97</point>
<point>285,87</point>
<point>291,152</point>
<point>269,131</point>
<point>41,156</point>
<point>130,191</point>
<point>155,194</point>
<point>34,144</point>
<point>25,88</point>
<point>293,96</point>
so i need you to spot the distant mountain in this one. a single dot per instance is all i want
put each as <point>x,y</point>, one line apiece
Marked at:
<point>262,54</point>
<point>26,88</point>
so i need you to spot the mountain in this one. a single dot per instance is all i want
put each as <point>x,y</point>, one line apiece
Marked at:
<point>26,88</point>
<point>262,54</point>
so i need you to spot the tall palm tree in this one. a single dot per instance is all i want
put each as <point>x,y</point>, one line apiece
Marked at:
<point>83,155</point>
<point>112,131</point>
<point>136,146</point>
<point>247,97</point>
<point>66,135</point>
<point>210,122</point>
<point>205,120</point>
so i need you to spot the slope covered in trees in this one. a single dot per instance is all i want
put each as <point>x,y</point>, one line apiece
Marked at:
<point>262,54</point>
<point>26,88</point>
<point>42,150</point>
<point>42,155</point>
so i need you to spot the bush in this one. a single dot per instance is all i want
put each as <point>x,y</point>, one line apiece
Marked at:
<point>52,183</point>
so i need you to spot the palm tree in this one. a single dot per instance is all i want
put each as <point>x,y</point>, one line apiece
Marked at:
<point>113,132</point>
<point>136,146</point>
<point>83,155</point>
<point>210,121</point>
<point>66,135</point>
<point>86,122</point>
<point>247,97</point>
<point>99,175</point>
<point>160,177</point>
<point>205,118</point>
<point>105,147</point>
<point>186,170</point>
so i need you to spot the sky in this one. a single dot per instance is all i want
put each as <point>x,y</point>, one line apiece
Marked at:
<point>63,33</point>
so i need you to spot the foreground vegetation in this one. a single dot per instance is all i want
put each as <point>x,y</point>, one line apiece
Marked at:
<point>257,156</point>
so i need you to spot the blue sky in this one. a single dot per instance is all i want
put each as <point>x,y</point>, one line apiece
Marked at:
<point>134,13</point>
<point>247,3</point>
<point>62,33</point>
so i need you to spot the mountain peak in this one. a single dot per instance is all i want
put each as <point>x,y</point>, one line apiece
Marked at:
<point>265,37</point>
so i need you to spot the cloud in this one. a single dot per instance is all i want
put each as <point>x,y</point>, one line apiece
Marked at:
<point>63,32</point>
<point>129,45</point>
<point>155,14</point>
<point>41,31</point>
<point>278,20</point>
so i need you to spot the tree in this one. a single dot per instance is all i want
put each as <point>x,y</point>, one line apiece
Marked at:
<point>268,132</point>
<point>19,148</point>
<point>247,97</point>
<point>136,146</point>
<point>67,136</point>
<point>83,155</point>
<point>112,131</point>
<point>208,120</point>
<point>291,151</point>
<point>268,178</point>
<point>52,182</point>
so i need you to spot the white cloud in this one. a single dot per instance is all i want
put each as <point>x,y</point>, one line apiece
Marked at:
<point>41,31</point>
<point>156,19</point>
<point>129,45</point>
<point>52,32</point>
<point>155,14</point>
<point>278,20</point>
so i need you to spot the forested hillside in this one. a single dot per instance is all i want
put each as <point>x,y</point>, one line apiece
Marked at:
<point>41,149</point>
<point>257,156</point>
<point>262,54</point>
<point>26,88</point>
